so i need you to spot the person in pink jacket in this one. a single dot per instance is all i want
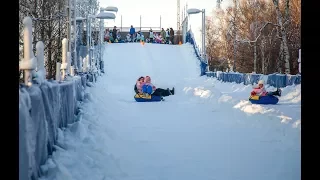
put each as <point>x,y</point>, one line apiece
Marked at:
<point>139,84</point>
<point>261,91</point>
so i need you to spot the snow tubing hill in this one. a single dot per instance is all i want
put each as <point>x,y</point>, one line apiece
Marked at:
<point>263,99</point>
<point>142,98</point>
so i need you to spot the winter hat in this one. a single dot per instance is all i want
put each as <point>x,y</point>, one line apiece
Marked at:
<point>261,82</point>
<point>147,79</point>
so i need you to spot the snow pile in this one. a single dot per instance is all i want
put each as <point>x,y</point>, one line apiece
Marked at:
<point>237,95</point>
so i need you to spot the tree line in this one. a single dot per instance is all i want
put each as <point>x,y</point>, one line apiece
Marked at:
<point>261,36</point>
<point>50,25</point>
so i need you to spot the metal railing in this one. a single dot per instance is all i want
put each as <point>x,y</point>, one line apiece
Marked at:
<point>142,29</point>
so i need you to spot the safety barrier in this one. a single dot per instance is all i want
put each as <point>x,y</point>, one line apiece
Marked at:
<point>43,110</point>
<point>190,39</point>
<point>47,106</point>
<point>276,80</point>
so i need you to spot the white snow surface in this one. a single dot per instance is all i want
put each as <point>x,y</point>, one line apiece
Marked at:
<point>207,131</point>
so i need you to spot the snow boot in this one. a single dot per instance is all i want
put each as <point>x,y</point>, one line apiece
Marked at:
<point>172,91</point>
<point>278,91</point>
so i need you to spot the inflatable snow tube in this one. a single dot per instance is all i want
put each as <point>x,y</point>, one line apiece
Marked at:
<point>263,99</point>
<point>143,98</point>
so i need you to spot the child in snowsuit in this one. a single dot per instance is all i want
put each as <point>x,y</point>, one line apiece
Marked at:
<point>167,36</point>
<point>158,39</point>
<point>261,91</point>
<point>151,36</point>
<point>128,38</point>
<point>155,91</point>
<point>138,37</point>
<point>118,36</point>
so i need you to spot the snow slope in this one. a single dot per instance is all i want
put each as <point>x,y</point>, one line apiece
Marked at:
<point>207,131</point>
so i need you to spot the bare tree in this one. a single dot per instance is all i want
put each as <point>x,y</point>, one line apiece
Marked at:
<point>282,31</point>
<point>50,26</point>
<point>261,38</point>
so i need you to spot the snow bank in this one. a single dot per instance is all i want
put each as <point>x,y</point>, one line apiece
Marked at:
<point>43,109</point>
<point>288,110</point>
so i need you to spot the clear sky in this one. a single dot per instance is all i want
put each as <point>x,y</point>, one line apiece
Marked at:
<point>151,11</point>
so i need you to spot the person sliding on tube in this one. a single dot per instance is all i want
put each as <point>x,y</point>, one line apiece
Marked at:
<point>155,91</point>
<point>261,91</point>
<point>143,85</point>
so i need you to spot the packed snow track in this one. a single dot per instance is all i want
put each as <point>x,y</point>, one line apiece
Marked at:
<point>207,131</point>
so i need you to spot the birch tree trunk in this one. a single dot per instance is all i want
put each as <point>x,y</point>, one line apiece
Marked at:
<point>283,37</point>
<point>280,59</point>
<point>262,55</point>
<point>255,57</point>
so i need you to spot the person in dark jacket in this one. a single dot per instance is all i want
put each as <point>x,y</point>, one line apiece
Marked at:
<point>171,35</point>
<point>132,32</point>
<point>163,35</point>
<point>106,35</point>
<point>167,36</point>
<point>151,35</point>
<point>114,33</point>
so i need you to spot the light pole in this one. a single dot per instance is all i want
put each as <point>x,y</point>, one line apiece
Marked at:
<point>104,15</point>
<point>89,38</point>
<point>76,64</point>
<point>203,44</point>
<point>89,33</point>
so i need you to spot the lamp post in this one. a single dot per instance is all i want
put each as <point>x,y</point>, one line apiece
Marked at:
<point>102,16</point>
<point>203,44</point>
<point>89,48</point>
<point>76,64</point>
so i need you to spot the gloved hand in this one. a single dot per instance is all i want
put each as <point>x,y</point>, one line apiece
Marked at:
<point>253,93</point>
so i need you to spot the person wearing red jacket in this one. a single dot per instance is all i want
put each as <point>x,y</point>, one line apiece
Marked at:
<point>261,91</point>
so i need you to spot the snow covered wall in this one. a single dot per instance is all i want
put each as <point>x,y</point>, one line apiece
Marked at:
<point>43,109</point>
<point>276,80</point>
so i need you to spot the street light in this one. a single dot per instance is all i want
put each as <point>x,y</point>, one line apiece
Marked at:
<point>102,16</point>
<point>89,39</point>
<point>110,8</point>
<point>203,47</point>
<point>105,15</point>
<point>75,57</point>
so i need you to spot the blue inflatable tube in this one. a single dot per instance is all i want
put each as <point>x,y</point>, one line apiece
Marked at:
<point>264,100</point>
<point>142,98</point>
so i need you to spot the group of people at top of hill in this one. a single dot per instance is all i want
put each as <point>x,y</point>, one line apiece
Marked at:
<point>112,35</point>
<point>261,91</point>
<point>164,37</point>
<point>143,83</point>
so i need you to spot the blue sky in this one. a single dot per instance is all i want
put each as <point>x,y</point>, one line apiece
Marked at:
<point>151,11</point>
